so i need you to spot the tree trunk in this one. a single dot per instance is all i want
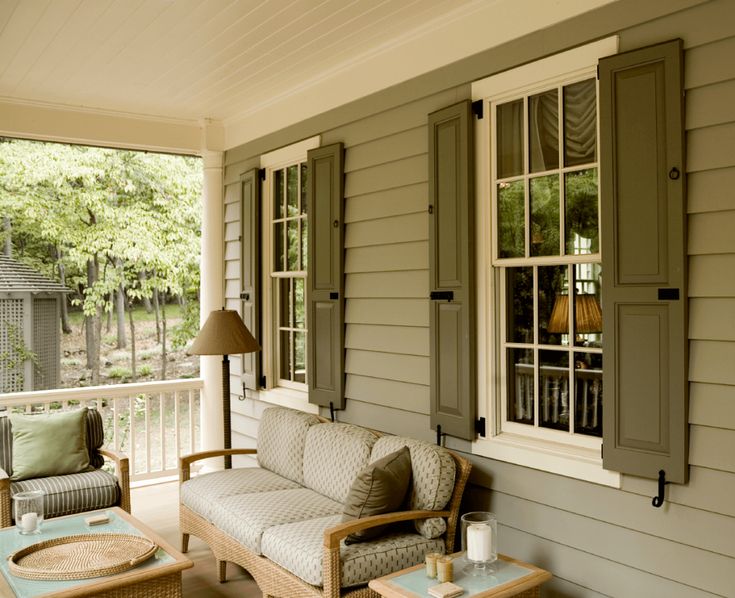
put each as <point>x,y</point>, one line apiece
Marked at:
<point>164,355</point>
<point>108,315</point>
<point>122,341</point>
<point>133,365</point>
<point>157,310</point>
<point>8,244</point>
<point>65,326</point>
<point>143,278</point>
<point>93,325</point>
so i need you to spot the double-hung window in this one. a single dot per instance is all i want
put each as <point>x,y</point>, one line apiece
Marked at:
<point>285,268</point>
<point>540,261</point>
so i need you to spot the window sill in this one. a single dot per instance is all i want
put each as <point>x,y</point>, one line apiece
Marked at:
<point>288,397</point>
<point>569,461</point>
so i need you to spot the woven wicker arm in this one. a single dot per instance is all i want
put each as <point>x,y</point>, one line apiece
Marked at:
<point>186,461</point>
<point>463,468</point>
<point>332,574</point>
<point>122,471</point>
<point>5,514</point>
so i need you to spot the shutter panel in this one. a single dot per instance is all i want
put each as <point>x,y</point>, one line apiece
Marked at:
<point>325,354</point>
<point>250,272</point>
<point>451,271</point>
<point>644,290</point>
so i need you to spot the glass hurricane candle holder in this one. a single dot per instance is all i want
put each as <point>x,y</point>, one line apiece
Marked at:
<point>28,511</point>
<point>479,542</point>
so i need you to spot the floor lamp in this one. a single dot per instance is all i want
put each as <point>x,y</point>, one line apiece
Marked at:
<point>224,333</point>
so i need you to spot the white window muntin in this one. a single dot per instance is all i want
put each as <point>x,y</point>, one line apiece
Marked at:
<point>573,457</point>
<point>280,159</point>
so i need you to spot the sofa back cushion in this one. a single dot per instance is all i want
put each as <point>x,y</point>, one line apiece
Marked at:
<point>432,483</point>
<point>333,456</point>
<point>95,440</point>
<point>281,438</point>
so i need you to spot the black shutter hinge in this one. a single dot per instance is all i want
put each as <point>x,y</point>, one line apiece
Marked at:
<point>598,72</point>
<point>261,173</point>
<point>262,381</point>
<point>478,109</point>
<point>480,426</point>
<point>602,451</point>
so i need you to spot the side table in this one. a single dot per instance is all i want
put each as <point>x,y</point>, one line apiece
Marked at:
<point>511,578</point>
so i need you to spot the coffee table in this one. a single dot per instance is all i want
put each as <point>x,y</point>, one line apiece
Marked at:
<point>511,578</point>
<point>158,577</point>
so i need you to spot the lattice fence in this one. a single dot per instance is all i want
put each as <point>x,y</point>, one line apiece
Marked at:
<point>45,343</point>
<point>11,332</point>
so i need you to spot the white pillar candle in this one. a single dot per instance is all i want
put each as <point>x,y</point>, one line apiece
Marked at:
<point>479,542</point>
<point>28,522</point>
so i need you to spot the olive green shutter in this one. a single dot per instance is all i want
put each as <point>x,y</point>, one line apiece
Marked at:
<point>451,271</point>
<point>644,294</point>
<point>250,272</point>
<point>325,297</point>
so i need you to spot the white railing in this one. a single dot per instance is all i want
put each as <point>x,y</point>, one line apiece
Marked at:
<point>554,390</point>
<point>153,423</point>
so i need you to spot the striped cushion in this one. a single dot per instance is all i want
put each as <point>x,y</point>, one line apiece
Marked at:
<point>73,493</point>
<point>6,445</point>
<point>95,439</point>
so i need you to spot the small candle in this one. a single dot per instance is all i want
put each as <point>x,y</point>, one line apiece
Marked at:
<point>431,559</point>
<point>445,569</point>
<point>479,542</point>
<point>28,522</point>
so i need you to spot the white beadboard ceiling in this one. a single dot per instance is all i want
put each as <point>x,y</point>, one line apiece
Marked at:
<point>192,59</point>
<point>247,66</point>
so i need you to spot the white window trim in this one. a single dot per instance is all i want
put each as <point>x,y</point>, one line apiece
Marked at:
<point>294,395</point>
<point>576,461</point>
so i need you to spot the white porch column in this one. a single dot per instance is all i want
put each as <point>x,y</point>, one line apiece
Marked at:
<point>212,297</point>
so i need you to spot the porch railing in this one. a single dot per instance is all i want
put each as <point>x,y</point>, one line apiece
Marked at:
<point>152,422</point>
<point>555,398</point>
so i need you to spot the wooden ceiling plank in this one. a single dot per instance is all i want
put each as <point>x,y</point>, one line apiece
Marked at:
<point>19,27</point>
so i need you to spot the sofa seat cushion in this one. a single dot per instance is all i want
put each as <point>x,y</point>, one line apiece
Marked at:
<point>246,516</point>
<point>298,547</point>
<point>433,470</point>
<point>200,492</point>
<point>281,437</point>
<point>73,493</point>
<point>334,454</point>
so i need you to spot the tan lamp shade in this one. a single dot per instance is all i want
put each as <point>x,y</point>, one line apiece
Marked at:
<point>224,333</point>
<point>587,308</point>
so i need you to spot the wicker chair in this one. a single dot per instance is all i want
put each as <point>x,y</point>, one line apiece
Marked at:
<point>73,493</point>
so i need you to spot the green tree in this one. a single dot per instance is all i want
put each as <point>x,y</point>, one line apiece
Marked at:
<point>99,217</point>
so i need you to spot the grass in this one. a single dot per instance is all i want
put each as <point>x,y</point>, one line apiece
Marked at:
<point>173,311</point>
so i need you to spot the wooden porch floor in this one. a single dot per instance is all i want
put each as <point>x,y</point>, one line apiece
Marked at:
<point>157,507</point>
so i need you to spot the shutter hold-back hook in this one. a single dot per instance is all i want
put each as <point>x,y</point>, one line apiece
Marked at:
<point>659,500</point>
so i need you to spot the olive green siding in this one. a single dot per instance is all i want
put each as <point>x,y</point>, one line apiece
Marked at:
<point>598,541</point>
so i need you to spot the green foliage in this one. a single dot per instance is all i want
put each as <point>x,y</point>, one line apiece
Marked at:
<point>120,213</point>
<point>189,326</point>
<point>145,370</point>
<point>120,373</point>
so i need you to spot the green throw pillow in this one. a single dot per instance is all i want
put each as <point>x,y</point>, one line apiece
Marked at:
<point>49,444</point>
<point>379,488</point>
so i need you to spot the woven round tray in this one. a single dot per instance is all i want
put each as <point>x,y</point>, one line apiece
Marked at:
<point>81,557</point>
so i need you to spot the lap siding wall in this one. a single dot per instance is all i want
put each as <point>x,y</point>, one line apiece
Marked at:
<point>597,541</point>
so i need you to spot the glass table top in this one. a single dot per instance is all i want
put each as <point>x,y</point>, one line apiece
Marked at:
<point>11,540</point>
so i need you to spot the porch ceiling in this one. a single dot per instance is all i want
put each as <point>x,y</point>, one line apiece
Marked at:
<point>233,61</point>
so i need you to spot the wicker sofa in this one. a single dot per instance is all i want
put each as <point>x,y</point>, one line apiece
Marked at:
<point>72,493</point>
<point>282,521</point>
